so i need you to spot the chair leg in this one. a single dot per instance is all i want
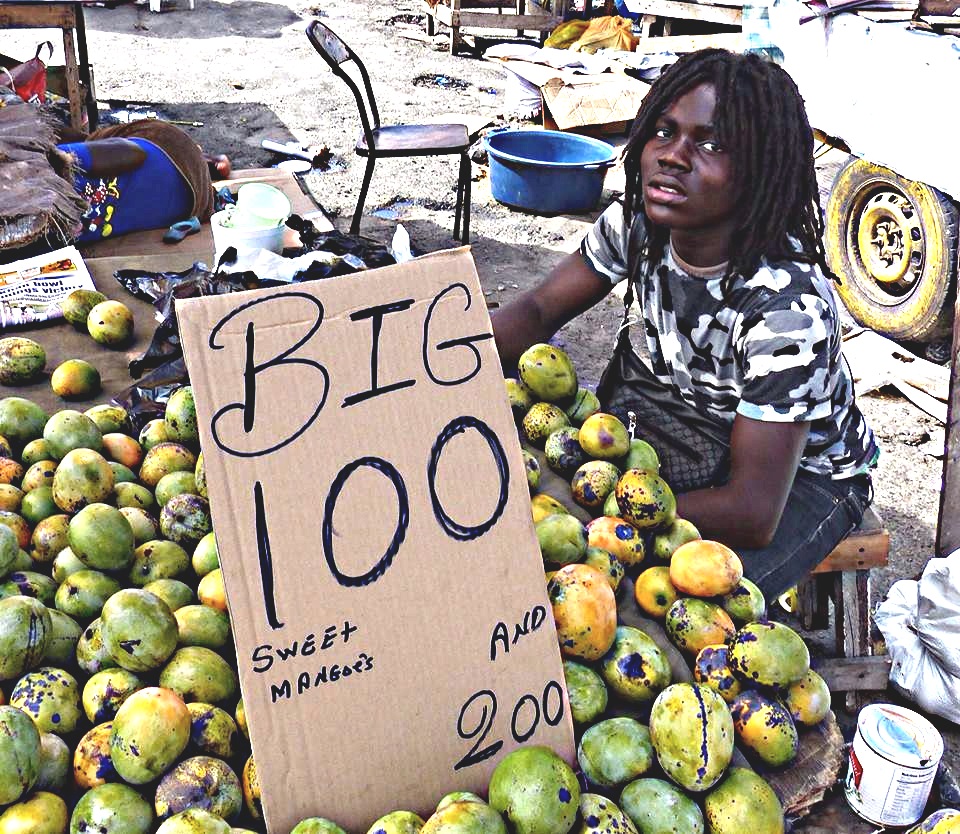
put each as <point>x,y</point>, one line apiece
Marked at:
<point>466,199</point>
<point>462,215</point>
<point>358,212</point>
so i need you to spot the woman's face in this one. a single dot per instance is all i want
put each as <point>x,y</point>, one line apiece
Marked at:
<point>687,179</point>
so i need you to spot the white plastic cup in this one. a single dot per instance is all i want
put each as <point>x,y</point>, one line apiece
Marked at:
<point>260,200</point>
<point>244,240</point>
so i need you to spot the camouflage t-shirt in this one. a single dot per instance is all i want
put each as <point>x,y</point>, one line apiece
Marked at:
<point>767,348</point>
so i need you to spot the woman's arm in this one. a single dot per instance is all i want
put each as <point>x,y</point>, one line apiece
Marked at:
<point>745,511</point>
<point>570,289</point>
<point>110,157</point>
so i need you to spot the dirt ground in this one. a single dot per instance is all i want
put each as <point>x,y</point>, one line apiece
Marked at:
<point>246,71</point>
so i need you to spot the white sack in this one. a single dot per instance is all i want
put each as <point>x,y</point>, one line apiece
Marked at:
<point>920,621</point>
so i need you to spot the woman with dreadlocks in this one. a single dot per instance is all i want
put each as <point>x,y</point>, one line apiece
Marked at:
<point>738,316</point>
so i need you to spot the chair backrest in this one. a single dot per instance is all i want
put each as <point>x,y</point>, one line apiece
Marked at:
<point>336,53</point>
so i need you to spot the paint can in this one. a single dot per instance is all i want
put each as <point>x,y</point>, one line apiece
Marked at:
<point>893,762</point>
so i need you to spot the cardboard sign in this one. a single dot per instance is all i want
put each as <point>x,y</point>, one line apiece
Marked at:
<point>389,608</point>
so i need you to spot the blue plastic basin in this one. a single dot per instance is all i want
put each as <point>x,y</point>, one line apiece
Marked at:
<point>547,171</point>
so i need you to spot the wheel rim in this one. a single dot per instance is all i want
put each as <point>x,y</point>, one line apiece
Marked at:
<point>887,240</point>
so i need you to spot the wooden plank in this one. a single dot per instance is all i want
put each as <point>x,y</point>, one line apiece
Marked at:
<point>855,674</point>
<point>507,21</point>
<point>72,71</point>
<point>691,43</point>
<point>859,551</point>
<point>688,11</point>
<point>37,16</point>
<point>948,519</point>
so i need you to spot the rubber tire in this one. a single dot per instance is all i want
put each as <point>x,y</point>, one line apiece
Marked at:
<point>923,314</point>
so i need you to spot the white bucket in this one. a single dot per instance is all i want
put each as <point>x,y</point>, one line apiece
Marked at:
<point>244,240</point>
<point>893,762</point>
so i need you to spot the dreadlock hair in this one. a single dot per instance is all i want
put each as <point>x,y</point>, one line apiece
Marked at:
<point>760,118</point>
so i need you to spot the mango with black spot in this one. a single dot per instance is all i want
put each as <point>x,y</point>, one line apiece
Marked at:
<point>604,437</point>
<point>692,732</point>
<point>83,477</point>
<point>711,669</point>
<point>769,654</point>
<point>765,727</point>
<point>110,323</point>
<point>25,629</point>
<point>658,807</point>
<point>635,667</point>
<point>607,564</point>
<point>808,699</point>
<point>654,591</point>
<point>693,623</point>
<point>51,697</point>
<point>542,420</point>
<point>743,802</point>
<point>745,603</point>
<point>22,360</point>
<point>139,630</point>
<point>593,482</point>
<point>600,815</point>
<point>75,379</point>
<point>196,673</point>
<point>92,764</point>
<point>563,451</point>
<point>212,730</point>
<point>531,466</point>
<point>645,500</point>
<point>944,821</point>
<point>584,610</point>
<point>542,505</point>
<point>548,372</point>
<point>199,782</point>
<point>105,691</point>
<point>19,754</point>
<point>77,306</point>
<point>584,404</point>
<point>619,537</point>
<point>536,791</point>
<point>150,731</point>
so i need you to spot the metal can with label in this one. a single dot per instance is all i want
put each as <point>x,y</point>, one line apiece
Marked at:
<point>893,761</point>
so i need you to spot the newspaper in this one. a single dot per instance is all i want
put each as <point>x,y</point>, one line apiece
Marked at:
<point>33,289</point>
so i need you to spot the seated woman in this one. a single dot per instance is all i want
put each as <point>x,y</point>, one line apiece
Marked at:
<point>737,310</point>
<point>142,175</point>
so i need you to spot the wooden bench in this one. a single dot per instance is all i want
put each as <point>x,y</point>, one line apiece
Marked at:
<point>843,579</point>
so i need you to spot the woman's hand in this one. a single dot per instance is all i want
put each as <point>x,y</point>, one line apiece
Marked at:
<point>745,511</point>
<point>570,289</point>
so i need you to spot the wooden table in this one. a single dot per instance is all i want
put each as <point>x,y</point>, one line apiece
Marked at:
<point>68,17</point>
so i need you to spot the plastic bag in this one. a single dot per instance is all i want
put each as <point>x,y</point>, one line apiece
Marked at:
<point>920,621</point>
<point>29,79</point>
<point>606,33</point>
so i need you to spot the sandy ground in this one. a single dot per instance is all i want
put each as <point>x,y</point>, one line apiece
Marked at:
<point>247,72</point>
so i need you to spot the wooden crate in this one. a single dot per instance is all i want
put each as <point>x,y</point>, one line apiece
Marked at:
<point>516,15</point>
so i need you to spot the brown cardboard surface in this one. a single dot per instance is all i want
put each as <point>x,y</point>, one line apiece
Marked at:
<point>62,342</point>
<point>200,245</point>
<point>576,100</point>
<point>434,599</point>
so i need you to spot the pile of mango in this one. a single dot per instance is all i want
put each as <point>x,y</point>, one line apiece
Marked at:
<point>119,701</point>
<point>752,683</point>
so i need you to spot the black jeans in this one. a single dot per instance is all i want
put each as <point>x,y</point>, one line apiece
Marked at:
<point>820,512</point>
